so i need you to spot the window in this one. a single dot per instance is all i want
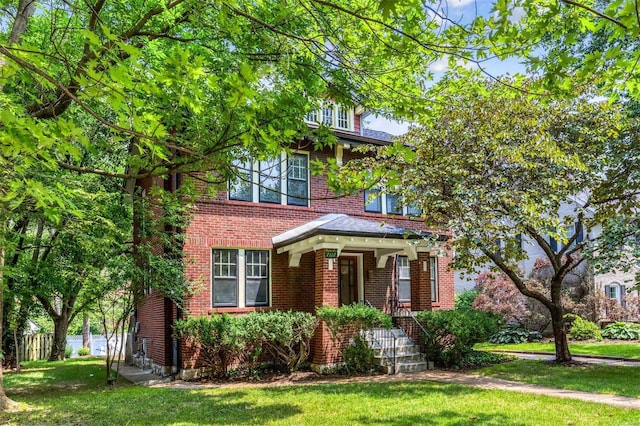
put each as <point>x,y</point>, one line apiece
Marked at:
<point>257,278</point>
<point>225,278</point>
<point>283,180</point>
<point>433,276</point>
<point>240,188</point>
<point>404,279</point>
<point>240,278</point>
<point>270,181</point>
<point>327,115</point>
<point>332,115</point>
<point>379,202</point>
<point>298,180</point>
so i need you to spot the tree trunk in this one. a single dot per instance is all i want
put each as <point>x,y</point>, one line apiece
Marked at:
<point>560,336</point>
<point>60,325</point>
<point>85,330</point>
<point>5,402</point>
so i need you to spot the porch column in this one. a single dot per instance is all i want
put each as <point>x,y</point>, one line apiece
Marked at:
<point>326,293</point>
<point>420,283</point>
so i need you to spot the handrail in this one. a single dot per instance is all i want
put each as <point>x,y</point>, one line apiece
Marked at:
<point>383,352</point>
<point>424,332</point>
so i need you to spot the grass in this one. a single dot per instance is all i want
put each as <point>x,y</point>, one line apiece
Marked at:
<point>69,393</point>
<point>625,350</point>
<point>598,378</point>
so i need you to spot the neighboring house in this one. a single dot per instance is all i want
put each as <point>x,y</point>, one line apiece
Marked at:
<point>613,284</point>
<point>280,239</point>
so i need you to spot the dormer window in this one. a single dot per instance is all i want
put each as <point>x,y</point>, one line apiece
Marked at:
<point>332,115</point>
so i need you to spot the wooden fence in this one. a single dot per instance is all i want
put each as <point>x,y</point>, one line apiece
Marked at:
<point>35,347</point>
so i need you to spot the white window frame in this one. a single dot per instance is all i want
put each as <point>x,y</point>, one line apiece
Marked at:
<point>335,114</point>
<point>407,270</point>
<point>433,276</point>
<point>383,201</point>
<point>284,170</point>
<point>241,281</point>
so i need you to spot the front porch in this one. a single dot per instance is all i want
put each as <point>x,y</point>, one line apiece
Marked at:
<point>356,260</point>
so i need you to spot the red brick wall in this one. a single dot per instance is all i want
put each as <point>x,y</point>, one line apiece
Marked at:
<point>420,283</point>
<point>446,299</point>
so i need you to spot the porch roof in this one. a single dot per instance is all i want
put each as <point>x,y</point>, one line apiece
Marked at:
<point>340,231</point>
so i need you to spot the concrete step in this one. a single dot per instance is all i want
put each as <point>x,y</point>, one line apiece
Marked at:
<point>408,367</point>
<point>382,360</point>
<point>407,350</point>
<point>388,342</point>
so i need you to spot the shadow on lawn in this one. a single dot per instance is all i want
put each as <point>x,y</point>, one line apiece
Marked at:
<point>443,417</point>
<point>138,405</point>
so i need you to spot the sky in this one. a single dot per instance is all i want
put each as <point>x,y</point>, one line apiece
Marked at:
<point>460,11</point>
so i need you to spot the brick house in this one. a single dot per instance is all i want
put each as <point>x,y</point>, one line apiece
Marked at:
<point>280,239</point>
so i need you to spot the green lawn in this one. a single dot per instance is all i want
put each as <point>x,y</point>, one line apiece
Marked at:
<point>71,393</point>
<point>596,378</point>
<point>626,350</point>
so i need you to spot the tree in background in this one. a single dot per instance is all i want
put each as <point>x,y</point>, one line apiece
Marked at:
<point>493,165</point>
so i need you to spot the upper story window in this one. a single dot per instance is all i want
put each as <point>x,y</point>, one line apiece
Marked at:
<point>379,202</point>
<point>570,231</point>
<point>283,180</point>
<point>332,115</point>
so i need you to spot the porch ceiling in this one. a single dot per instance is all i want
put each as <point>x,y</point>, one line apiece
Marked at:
<point>341,232</point>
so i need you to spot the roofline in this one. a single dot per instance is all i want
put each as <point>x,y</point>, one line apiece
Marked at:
<point>318,232</point>
<point>360,138</point>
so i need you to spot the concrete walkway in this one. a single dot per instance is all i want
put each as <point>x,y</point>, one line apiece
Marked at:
<point>146,378</point>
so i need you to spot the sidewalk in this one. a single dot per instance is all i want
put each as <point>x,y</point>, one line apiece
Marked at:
<point>146,378</point>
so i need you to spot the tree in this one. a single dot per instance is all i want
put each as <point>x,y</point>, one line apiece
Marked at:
<point>493,166</point>
<point>186,85</point>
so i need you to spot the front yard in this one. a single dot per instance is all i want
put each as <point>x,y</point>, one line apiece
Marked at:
<point>71,392</point>
<point>606,348</point>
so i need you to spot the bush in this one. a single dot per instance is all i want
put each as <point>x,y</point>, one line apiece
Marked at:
<point>622,331</point>
<point>358,356</point>
<point>350,321</point>
<point>479,359</point>
<point>227,341</point>
<point>507,335</point>
<point>452,334</point>
<point>285,336</point>
<point>68,351</point>
<point>582,329</point>
<point>464,300</point>
<point>84,351</point>
<point>222,340</point>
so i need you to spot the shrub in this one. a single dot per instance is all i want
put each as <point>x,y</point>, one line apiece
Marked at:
<point>84,351</point>
<point>285,336</point>
<point>452,334</point>
<point>582,329</point>
<point>622,331</point>
<point>508,335</point>
<point>346,322</point>
<point>479,359</point>
<point>68,351</point>
<point>222,340</point>
<point>464,300</point>
<point>358,356</point>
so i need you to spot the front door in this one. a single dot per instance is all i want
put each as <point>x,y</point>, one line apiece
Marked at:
<point>348,280</point>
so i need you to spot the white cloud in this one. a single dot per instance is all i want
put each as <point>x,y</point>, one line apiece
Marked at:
<point>458,4</point>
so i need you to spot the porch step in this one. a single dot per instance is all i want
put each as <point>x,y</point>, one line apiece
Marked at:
<point>384,342</point>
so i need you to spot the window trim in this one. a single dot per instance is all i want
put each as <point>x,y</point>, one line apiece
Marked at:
<point>382,196</point>
<point>284,181</point>
<point>319,116</point>
<point>434,281</point>
<point>241,278</point>
<point>407,279</point>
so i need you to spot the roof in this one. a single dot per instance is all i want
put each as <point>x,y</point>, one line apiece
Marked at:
<point>342,224</point>
<point>378,134</point>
